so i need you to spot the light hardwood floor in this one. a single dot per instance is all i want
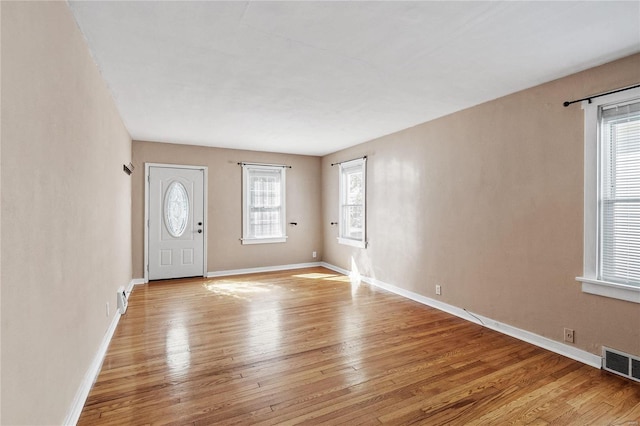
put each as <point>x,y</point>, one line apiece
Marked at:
<point>306,346</point>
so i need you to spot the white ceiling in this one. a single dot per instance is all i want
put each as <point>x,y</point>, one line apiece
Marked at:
<point>314,77</point>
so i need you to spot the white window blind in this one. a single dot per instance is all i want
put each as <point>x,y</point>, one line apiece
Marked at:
<point>619,201</point>
<point>352,203</point>
<point>263,204</point>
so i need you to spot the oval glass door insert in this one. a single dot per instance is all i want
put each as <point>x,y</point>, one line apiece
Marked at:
<point>176,209</point>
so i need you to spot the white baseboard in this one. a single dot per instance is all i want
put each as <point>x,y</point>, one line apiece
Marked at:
<point>535,339</point>
<point>335,268</point>
<point>543,342</point>
<point>92,372</point>
<point>262,269</point>
<point>136,281</point>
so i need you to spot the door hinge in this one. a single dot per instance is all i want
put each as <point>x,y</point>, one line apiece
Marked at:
<point>147,223</point>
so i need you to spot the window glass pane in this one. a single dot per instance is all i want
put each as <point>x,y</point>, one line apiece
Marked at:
<point>354,223</point>
<point>265,223</point>
<point>176,209</point>
<point>354,188</point>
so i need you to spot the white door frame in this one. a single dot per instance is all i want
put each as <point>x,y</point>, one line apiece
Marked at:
<point>147,167</point>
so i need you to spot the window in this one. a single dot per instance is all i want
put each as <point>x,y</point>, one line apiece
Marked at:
<point>612,196</point>
<point>620,194</point>
<point>352,220</point>
<point>263,204</point>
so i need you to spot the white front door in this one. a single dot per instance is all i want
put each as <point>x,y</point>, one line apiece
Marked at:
<point>176,222</point>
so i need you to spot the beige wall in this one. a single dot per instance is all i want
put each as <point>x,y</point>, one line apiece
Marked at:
<point>225,206</point>
<point>488,203</point>
<point>66,211</point>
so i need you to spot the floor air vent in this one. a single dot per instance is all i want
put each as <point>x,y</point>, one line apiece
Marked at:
<point>621,363</point>
<point>122,300</point>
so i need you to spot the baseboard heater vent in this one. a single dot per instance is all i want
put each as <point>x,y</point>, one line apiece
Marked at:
<point>621,363</point>
<point>122,301</point>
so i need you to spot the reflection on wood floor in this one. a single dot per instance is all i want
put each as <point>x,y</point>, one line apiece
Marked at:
<point>307,346</point>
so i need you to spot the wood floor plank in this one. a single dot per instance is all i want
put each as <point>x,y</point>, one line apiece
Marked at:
<point>307,346</point>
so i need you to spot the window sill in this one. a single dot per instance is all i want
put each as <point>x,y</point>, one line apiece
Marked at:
<point>353,243</point>
<point>263,240</point>
<point>608,289</point>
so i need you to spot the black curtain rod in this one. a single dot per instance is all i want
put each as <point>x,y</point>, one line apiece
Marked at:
<point>346,161</point>
<point>284,166</point>
<point>567,103</point>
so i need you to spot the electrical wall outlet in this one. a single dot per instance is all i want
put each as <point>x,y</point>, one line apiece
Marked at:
<point>569,335</point>
<point>438,289</point>
<point>314,254</point>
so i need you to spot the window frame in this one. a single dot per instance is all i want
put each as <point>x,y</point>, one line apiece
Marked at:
<point>590,279</point>
<point>247,170</point>
<point>346,168</point>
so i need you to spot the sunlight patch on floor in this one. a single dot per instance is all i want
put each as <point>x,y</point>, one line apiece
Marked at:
<point>238,289</point>
<point>340,278</point>
<point>178,351</point>
<point>315,275</point>
<point>324,277</point>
